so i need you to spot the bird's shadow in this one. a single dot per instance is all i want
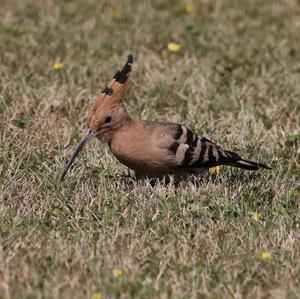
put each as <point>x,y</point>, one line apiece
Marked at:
<point>197,181</point>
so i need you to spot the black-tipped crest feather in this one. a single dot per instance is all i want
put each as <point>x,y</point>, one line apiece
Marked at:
<point>121,76</point>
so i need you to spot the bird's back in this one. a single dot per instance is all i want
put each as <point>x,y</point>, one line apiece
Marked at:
<point>153,148</point>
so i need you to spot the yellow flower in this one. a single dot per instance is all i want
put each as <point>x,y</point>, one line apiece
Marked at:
<point>180,261</point>
<point>189,8</point>
<point>174,47</point>
<point>115,13</point>
<point>118,272</point>
<point>58,66</point>
<point>215,169</point>
<point>296,193</point>
<point>57,211</point>
<point>97,295</point>
<point>256,216</point>
<point>265,255</point>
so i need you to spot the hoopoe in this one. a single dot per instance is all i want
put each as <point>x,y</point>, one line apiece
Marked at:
<point>151,149</point>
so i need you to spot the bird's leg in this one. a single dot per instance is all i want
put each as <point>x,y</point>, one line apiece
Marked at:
<point>141,178</point>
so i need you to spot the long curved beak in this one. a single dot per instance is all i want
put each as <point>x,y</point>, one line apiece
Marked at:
<point>89,134</point>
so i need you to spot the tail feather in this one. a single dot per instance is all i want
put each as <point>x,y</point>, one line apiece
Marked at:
<point>249,165</point>
<point>237,161</point>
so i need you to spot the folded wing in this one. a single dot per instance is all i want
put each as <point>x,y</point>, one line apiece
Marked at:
<point>192,152</point>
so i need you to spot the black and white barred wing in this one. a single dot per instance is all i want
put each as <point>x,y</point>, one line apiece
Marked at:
<point>192,152</point>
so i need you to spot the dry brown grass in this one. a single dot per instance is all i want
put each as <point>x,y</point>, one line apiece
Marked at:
<point>236,82</point>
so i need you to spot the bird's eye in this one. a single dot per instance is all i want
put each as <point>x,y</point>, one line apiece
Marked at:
<point>108,119</point>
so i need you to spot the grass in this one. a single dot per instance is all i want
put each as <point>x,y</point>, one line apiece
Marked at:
<point>102,235</point>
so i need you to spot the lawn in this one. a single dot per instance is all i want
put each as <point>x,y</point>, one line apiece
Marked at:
<point>101,234</point>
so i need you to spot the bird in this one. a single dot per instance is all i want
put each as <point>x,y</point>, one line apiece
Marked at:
<point>151,149</point>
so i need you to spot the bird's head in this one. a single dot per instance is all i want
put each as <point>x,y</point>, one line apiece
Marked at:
<point>108,113</point>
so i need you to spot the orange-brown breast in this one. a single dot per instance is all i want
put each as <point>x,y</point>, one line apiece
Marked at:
<point>143,149</point>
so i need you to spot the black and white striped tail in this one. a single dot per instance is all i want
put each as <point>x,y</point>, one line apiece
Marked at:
<point>236,160</point>
<point>249,165</point>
